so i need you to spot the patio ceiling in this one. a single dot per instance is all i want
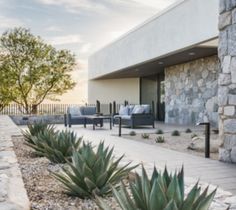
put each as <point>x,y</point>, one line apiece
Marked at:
<point>158,65</point>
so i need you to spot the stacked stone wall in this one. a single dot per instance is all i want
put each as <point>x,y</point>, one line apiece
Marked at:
<point>227,79</point>
<point>191,92</point>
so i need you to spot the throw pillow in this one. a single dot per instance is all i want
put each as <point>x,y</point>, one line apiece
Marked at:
<point>138,109</point>
<point>74,111</point>
<point>147,108</point>
<point>124,110</point>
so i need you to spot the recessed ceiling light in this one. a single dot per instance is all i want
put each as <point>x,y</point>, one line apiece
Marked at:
<point>192,53</point>
<point>160,63</point>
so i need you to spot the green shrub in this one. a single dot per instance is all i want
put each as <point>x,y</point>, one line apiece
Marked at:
<point>92,172</point>
<point>132,133</point>
<point>159,131</point>
<point>161,192</point>
<point>35,129</point>
<point>175,133</point>
<point>160,139</point>
<point>145,136</point>
<point>188,130</point>
<point>194,135</point>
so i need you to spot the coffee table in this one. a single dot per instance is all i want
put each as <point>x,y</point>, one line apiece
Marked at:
<point>99,120</point>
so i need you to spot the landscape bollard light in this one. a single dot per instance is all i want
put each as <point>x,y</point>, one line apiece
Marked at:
<point>207,138</point>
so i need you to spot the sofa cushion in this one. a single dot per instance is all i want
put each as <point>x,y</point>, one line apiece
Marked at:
<point>131,107</point>
<point>74,111</point>
<point>138,109</point>
<point>126,117</point>
<point>124,110</point>
<point>147,108</point>
<point>88,110</point>
<point>122,116</point>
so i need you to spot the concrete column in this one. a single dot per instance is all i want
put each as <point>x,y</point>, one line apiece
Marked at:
<point>227,80</point>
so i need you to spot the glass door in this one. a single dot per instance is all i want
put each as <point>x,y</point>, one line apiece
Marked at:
<point>152,89</point>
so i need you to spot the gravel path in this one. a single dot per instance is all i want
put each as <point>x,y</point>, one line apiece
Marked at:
<point>179,143</point>
<point>46,193</point>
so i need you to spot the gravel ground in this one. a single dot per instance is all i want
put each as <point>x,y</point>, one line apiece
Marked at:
<point>46,193</point>
<point>178,143</point>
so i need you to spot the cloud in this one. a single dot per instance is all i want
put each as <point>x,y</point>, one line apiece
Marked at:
<point>74,6</point>
<point>158,4</point>
<point>63,40</point>
<point>85,48</point>
<point>53,28</point>
<point>6,22</point>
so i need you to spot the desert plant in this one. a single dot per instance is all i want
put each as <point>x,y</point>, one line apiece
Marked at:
<point>35,129</point>
<point>161,192</point>
<point>193,135</point>
<point>159,131</point>
<point>175,133</point>
<point>188,130</point>
<point>58,147</point>
<point>145,136</point>
<point>160,139</point>
<point>92,172</point>
<point>132,133</point>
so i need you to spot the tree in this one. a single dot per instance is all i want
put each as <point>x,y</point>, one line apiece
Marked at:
<point>31,70</point>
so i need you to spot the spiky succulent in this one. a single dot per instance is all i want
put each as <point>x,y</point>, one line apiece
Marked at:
<point>145,136</point>
<point>132,133</point>
<point>159,131</point>
<point>35,129</point>
<point>161,192</point>
<point>92,172</point>
<point>160,139</point>
<point>57,147</point>
<point>188,130</point>
<point>175,133</point>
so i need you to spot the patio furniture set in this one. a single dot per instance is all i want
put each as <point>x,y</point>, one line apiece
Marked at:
<point>129,115</point>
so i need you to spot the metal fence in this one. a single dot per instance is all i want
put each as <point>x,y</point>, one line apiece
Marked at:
<point>55,109</point>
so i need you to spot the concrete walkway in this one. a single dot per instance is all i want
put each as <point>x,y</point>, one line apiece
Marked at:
<point>207,170</point>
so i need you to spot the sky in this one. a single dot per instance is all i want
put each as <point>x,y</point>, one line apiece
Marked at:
<point>82,26</point>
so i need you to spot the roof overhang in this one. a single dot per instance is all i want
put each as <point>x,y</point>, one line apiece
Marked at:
<point>184,32</point>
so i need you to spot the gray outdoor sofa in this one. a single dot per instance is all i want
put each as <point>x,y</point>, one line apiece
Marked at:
<point>77,115</point>
<point>135,115</point>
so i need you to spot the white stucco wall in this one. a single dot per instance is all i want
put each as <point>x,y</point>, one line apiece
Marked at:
<point>106,91</point>
<point>186,24</point>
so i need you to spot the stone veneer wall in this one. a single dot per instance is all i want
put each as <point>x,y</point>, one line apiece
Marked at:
<point>227,79</point>
<point>191,92</point>
<point>13,195</point>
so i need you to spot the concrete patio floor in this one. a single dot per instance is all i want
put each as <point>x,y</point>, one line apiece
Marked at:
<point>207,170</point>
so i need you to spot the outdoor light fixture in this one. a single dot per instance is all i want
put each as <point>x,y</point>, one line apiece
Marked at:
<point>160,63</point>
<point>207,137</point>
<point>192,53</point>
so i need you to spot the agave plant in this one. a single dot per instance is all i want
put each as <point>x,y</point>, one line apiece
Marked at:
<point>188,130</point>
<point>161,192</point>
<point>160,139</point>
<point>132,133</point>
<point>145,136</point>
<point>35,129</point>
<point>92,172</point>
<point>175,133</point>
<point>57,147</point>
<point>159,131</point>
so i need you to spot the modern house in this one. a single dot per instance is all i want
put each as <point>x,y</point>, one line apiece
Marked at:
<point>184,59</point>
<point>170,59</point>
